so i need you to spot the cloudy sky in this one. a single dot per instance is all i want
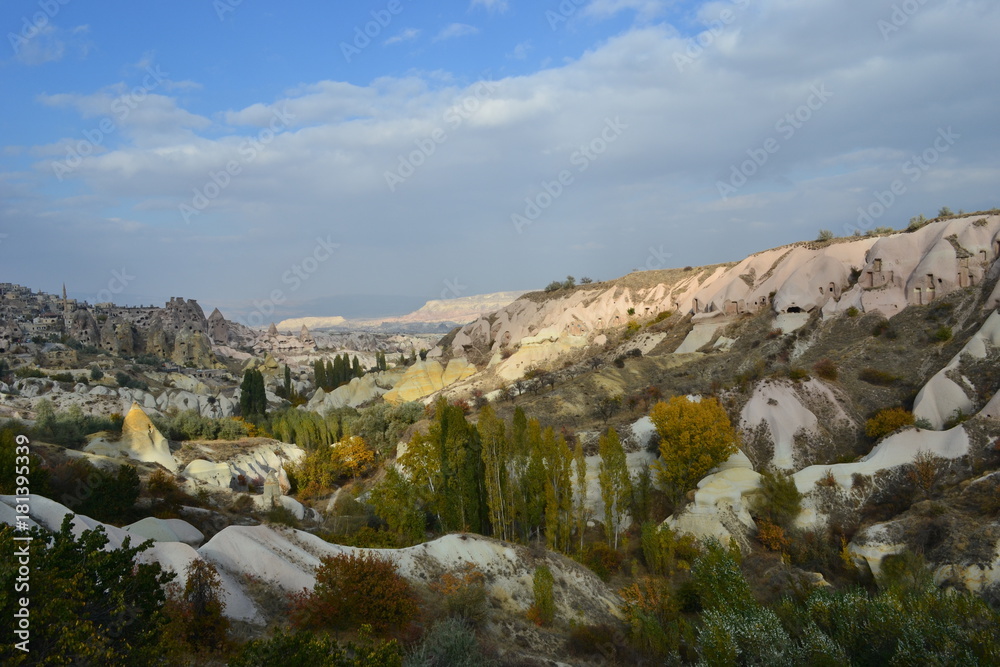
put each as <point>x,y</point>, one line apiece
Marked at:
<point>351,158</point>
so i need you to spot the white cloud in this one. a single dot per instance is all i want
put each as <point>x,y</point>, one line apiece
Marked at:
<point>407,35</point>
<point>644,9</point>
<point>456,30</point>
<point>498,6</point>
<point>500,143</point>
<point>50,43</point>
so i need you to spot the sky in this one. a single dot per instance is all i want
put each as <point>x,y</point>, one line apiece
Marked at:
<point>358,159</point>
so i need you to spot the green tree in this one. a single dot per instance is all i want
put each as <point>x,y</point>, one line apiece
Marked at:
<point>89,604</point>
<point>580,511</point>
<point>694,438</point>
<point>447,466</point>
<point>356,367</point>
<point>396,502</point>
<point>496,453</point>
<point>558,490</point>
<point>616,486</point>
<point>203,624</point>
<point>253,398</point>
<point>543,612</point>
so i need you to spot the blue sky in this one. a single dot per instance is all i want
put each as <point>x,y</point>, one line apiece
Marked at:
<point>255,155</point>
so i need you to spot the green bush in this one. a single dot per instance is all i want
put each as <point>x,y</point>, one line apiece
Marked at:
<point>826,369</point>
<point>448,642</point>
<point>543,611</point>
<point>89,604</point>
<point>601,559</point>
<point>877,377</point>
<point>779,501</point>
<point>306,649</point>
<point>942,334</point>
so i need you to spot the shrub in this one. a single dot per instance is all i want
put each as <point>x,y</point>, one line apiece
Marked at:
<point>282,516</point>
<point>780,501</point>
<point>602,560</point>
<point>28,372</point>
<point>957,417</point>
<point>90,604</point>
<point>464,593</point>
<point>772,536</point>
<point>826,369</point>
<point>354,590</point>
<point>124,380</point>
<point>774,333</point>
<point>824,235</point>
<point>543,611</point>
<point>305,649</point>
<point>888,421</point>
<point>853,312</point>
<point>797,374</point>
<point>942,334</point>
<point>877,377</point>
<point>448,642</point>
<point>630,311</point>
<point>664,551</point>
<point>96,373</point>
<point>653,617</point>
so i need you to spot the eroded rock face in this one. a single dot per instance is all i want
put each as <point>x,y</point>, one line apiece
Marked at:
<point>423,378</point>
<point>891,273</point>
<point>83,327</point>
<point>942,396</point>
<point>193,349</point>
<point>120,337</point>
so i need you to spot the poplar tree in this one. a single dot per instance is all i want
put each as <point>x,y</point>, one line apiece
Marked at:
<point>496,452</point>
<point>616,487</point>
<point>580,495</point>
<point>558,490</point>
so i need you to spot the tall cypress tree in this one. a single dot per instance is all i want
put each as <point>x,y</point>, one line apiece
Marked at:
<point>331,375</point>
<point>356,365</point>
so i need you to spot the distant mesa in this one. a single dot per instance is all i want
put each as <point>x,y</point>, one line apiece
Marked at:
<point>461,310</point>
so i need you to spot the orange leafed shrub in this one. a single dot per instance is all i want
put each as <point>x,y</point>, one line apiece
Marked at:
<point>772,536</point>
<point>352,590</point>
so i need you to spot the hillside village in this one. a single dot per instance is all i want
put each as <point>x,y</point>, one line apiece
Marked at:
<point>523,473</point>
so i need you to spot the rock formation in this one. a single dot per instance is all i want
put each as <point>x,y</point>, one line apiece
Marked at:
<point>140,440</point>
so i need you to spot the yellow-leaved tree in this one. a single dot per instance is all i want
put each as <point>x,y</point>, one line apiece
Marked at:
<point>694,438</point>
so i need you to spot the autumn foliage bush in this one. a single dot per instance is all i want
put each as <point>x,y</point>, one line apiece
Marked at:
<point>353,590</point>
<point>888,421</point>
